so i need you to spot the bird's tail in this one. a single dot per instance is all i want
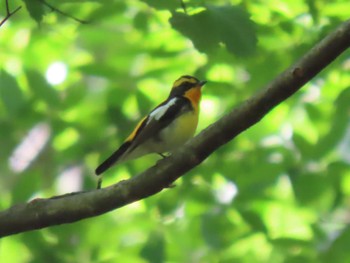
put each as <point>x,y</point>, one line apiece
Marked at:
<point>113,158</point>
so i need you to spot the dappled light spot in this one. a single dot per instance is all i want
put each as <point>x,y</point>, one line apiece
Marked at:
<point>287,131</point>
<point>70,180</point>
<point>344,146</point>
<point>56,73</point>
<point>30,147</point>
<point>225,190</point>
<point>275,157</point>
<point>313,92</point>
<point>210,107</point>
<point>227,193</point>
<point>221,73</point>
<point>272,140</point>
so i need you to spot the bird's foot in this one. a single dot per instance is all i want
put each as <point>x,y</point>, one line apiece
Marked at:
<point>99,183</point>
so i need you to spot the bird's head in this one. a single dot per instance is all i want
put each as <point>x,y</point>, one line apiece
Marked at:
<point>187,86</point>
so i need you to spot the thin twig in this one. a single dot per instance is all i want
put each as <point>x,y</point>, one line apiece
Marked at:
<point>8,13</point>
<point>7,7</point>
<point>63,13</point>
<point>183,5</point>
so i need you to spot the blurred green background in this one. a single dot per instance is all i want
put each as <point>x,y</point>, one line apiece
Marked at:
<point>70,93</point>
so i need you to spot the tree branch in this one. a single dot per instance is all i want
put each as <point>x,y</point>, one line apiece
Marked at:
<point>8,13</point>
<point>76,206</point>
<point>63,13</point>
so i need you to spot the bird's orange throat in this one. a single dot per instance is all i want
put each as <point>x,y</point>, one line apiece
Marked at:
<point>194,95</point>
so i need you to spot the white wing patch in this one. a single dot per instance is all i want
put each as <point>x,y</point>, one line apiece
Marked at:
<point>159,112</point>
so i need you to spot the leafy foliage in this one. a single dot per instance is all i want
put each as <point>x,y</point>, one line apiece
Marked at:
<point>70,93</point>
<point>228,25</point>
<point>35,9</point>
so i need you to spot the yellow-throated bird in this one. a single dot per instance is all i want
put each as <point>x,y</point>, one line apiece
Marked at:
<point>166,127</point>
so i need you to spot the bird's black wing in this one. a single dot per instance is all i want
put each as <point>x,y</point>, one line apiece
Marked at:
<point>149,127</point>
<point>161,117</point>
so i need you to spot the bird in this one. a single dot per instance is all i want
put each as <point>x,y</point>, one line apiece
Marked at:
<point>165,128</point>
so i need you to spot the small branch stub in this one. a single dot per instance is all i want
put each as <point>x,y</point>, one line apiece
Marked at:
<point>8,12</point>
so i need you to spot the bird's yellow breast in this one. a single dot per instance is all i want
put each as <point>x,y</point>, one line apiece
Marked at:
<point>179,131</point>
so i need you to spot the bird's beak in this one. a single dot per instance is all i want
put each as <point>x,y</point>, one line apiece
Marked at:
<point>202,83</point>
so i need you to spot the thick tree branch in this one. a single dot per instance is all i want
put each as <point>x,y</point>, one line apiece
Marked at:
<point>8,12</point>
<point>76,206</point>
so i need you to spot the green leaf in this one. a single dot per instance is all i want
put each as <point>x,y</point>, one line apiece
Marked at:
<point>25,185</point>
<point>313,189</point>
<point>228,25</point>
<point>218,230</point>
<point>42,89</point>
<point>198,28</point>
<point>338,124</point>
<point>154,249</point>
<point>161,4</point>
<point>106,9</point>
<point>254,220</point>
<point>314,10</point>
<point>141,21</point>
<point>10,93</point>
<point>339,251</point>
<point>35,9</point>
<point>236,29</point>
<point>303,145</point>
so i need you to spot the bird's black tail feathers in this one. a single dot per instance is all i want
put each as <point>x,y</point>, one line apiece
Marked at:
<point>113,158</point>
